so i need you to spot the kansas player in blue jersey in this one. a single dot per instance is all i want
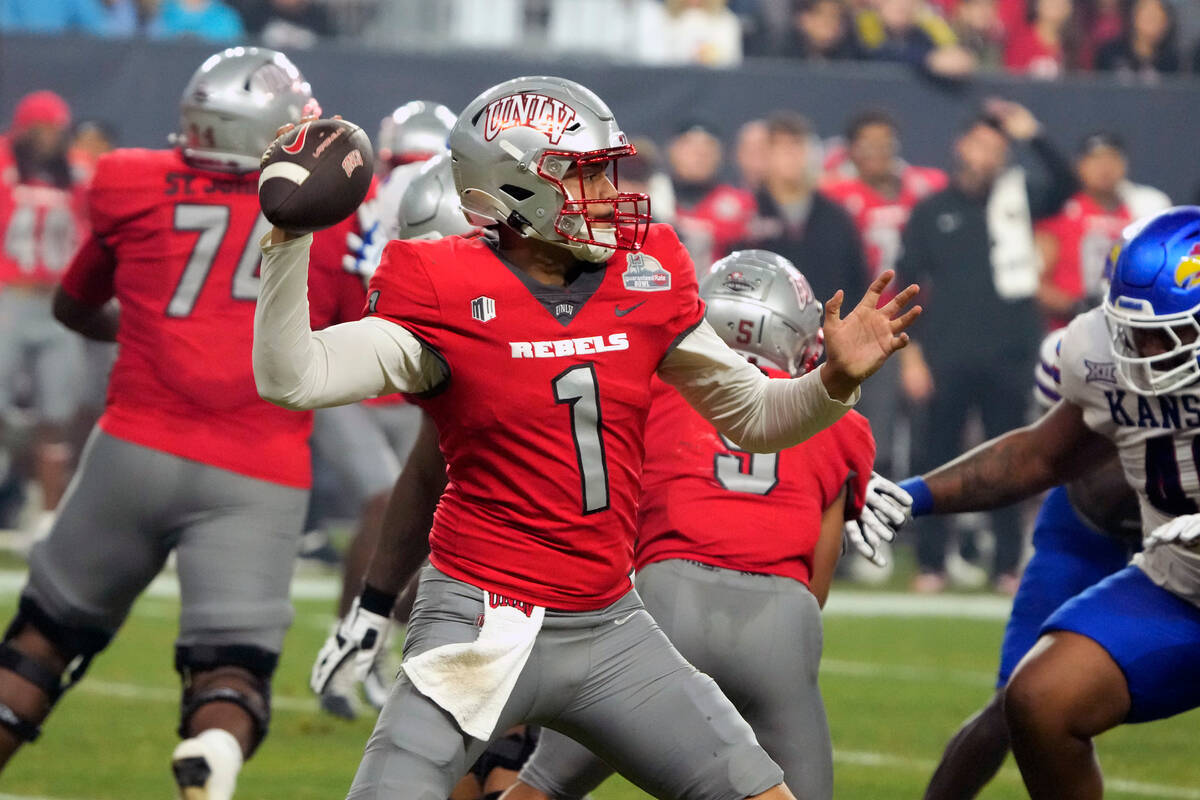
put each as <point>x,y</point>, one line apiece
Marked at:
<point>1085,531</point>
<point>1127,649</point>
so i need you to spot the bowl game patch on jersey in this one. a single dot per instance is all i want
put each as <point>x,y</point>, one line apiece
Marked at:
<point>644,273</point>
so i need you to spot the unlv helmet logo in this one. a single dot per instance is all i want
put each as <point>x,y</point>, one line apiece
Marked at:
<point>537,111</point>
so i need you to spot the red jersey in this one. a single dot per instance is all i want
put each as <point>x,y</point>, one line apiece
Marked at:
<point>705,500</point>
<point>1086,233</point>
<point>41,225</point>
<point>541,418</point>
<point>712,226</point>
<point>881,220</point>
<point>1028,54</point>
<point>179,249</point>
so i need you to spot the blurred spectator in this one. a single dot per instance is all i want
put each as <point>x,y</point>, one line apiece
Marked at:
<point>879,197</point>
<point>644,173</point>
<point>285,24</point>
<point>1104,20</point>
<point>42,221</point>
<point>800,223</point>
<point>909,32</point>
<point>1075,242</point>
<point>702,32</point>
<point>92,139</point>
<point>1049,44</point>
<point>820,31</point>
<point>978,27</point>
<point>1148,47</point>
<point>709,215</point>
<point>52,16</point>
<point>750,153</point>
<point>210,20</point>
<point>971,247</point>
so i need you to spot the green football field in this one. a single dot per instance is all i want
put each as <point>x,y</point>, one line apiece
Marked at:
<point>900,673</point>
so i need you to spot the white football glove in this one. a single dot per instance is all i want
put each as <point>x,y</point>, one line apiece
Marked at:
<point>1184,530</point>
<point>885,510</point>
<point>353,645</point>
<point>366,249</point>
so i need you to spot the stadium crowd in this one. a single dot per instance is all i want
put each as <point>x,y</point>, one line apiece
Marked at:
<point>1139,40</point>
<point>837,205</point>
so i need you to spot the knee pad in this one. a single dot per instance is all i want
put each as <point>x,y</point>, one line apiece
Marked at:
<point>77,645</point>
<point>240,660</point>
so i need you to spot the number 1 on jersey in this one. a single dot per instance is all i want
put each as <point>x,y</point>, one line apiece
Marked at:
<point>577,388</point>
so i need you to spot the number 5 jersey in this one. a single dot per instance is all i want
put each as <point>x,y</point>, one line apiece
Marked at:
<point>1156,438</point>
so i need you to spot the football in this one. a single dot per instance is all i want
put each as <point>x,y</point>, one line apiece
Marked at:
<point>315,175</point>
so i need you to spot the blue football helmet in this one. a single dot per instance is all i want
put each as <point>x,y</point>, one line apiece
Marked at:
<point>1153,302</point>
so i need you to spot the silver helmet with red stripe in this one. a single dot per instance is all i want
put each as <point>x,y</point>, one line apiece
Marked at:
<point>540,155</point>
<point>233,105</point>
<point>764,308</point>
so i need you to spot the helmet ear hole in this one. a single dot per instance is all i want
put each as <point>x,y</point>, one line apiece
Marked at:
<point>518,193</point>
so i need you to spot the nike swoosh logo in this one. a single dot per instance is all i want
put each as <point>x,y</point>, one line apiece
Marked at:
<point>629,616</point>
<point>298,143</point>
<point>620,312</point>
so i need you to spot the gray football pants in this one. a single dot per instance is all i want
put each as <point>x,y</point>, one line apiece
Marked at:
<point>608,678</point>
<point>366,445</point>
<point>128,506</point>
<point>759,637</point>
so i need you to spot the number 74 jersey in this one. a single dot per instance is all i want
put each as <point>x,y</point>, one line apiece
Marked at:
<point>1156,438</point>
<point>178,248</point>
<point>542,410</point>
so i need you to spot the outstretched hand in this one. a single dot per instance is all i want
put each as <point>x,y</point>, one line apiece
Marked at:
<point>858,345</point>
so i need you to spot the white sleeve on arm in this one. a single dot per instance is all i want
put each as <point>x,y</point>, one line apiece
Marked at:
<point>757,413</point>
<point>297,368</point>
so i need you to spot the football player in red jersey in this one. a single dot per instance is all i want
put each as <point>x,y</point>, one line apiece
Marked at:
<point>42,221</point>
<point>186,457</point>
<point>533,354</point>
<point>736,550</point>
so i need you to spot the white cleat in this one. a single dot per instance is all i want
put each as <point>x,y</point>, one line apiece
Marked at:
<point>207,765</point>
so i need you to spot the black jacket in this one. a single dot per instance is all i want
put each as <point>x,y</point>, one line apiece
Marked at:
<point>947,249</point>
<point>826,246</point>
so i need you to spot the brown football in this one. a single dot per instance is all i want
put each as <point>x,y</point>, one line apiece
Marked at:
<point>315,175</point>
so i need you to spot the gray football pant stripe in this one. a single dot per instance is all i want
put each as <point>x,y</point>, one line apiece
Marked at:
<point>760,638</point>
<point>609,678</point>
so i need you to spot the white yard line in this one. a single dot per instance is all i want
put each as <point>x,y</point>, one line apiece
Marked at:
<point>846,603</point>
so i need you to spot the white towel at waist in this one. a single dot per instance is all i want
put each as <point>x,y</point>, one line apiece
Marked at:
<point>472,680</point>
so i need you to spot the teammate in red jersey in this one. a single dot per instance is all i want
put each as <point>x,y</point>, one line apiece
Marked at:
<point>879,196</point>
<point>186,457</point>
<point>533,354</point>
<point>1076,242</point>
<point>42,221</point>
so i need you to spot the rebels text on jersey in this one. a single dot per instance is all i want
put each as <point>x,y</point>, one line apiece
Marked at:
<point>706,500</point>
<point>542,412</point>
<point>1156,439</point>
<point>179,249</point>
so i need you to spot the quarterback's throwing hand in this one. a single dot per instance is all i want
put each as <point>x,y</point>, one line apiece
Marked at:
<point>857,345</point>
<point>353,646</point>
<point>886,508</point>
<point>1183,530</point>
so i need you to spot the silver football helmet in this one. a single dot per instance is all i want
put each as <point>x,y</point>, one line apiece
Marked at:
<point>519,154</point>
<point>233,105</point>
<point>414,132</point>
<point>763,308</point>
<point>429,208</point>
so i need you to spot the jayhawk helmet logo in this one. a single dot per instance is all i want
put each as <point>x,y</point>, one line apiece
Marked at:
<point>1187,274</point>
